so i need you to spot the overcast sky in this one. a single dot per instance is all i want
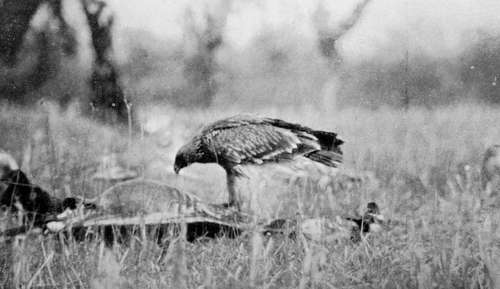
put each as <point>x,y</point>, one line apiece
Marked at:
<point>441,28</point>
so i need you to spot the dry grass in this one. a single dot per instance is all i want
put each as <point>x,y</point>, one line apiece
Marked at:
<point>443,238</point>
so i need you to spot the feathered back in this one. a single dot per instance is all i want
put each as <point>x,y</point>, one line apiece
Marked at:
<point>327,140</point>
<point>245,139</point>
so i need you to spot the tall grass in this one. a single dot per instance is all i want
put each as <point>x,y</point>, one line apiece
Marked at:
<point>413,164</point>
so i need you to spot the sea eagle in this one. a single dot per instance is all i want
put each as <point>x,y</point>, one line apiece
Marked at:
<point>240,140</point>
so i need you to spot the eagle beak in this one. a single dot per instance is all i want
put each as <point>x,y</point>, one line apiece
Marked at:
<point>177,169</point>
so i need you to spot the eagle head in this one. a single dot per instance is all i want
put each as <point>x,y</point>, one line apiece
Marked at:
<point>189,153</point>
<point>180,162</point>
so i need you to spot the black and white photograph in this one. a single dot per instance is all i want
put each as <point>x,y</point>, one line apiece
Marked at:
<point>220,144</point>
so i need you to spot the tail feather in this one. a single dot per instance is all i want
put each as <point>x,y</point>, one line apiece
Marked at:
<point>330,153</point>
<point>328,158</point>
<point>329,140</point>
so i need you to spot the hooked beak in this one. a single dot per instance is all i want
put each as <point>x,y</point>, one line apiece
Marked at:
<point>177,170</point>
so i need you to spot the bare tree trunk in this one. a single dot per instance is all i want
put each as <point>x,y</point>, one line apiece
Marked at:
<point>327,38</point>
<point>201,66</point>
<point>108,101</point>
<point>15,17</point>
<point>66,32</point>
<point>13,87</point>
<point>21,76</point>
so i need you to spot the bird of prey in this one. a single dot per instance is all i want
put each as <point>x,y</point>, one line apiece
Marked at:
<point>240,140</point>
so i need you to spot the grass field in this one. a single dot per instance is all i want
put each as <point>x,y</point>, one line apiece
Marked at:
<point>423,167</point>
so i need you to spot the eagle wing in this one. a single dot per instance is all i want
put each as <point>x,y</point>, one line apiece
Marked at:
<point>241,140</point>
<point>327,140</point>
<point>232,122</point>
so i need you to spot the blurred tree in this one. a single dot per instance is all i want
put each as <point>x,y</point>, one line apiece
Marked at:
<point>108,102</point>
<point>327,36</point>
<point>275,47</point>
<point>20,79</point>
<point>420,80</point>
<point>480,72</point>
<point>15,18</point>
<point>200,65</point>
<point>327,44</point>
<point>28,55</point>
<point>65,31</point>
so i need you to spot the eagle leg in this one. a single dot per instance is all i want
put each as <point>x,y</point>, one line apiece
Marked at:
<point>233,198</point>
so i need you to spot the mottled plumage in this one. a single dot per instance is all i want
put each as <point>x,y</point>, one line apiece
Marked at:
<point>241,140</point>
<point>371,221</point>
<point>21,195</point>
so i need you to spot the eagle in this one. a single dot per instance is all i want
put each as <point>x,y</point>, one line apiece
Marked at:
<point>241,140</point>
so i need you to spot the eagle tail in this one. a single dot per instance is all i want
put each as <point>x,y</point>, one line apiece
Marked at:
<point>328,140</point>
<point>328,158</point>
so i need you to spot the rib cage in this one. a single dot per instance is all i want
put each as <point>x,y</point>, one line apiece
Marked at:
<point>151,201</point>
